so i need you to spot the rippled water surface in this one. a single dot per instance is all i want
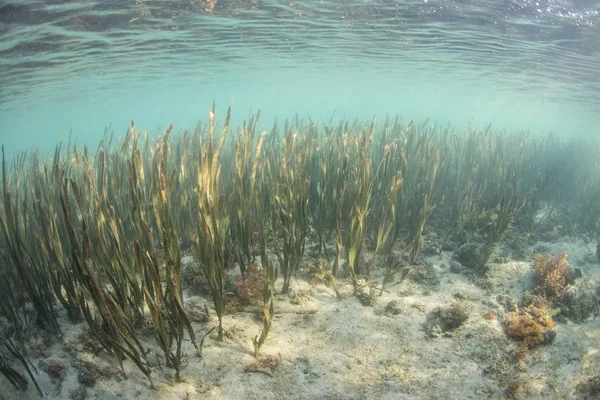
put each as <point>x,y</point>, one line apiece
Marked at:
<point>81,65</point>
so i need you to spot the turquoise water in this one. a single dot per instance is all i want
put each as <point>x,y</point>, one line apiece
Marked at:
<point>77,67</point>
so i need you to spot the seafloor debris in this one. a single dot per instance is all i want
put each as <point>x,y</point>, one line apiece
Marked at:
<point>446,319</point>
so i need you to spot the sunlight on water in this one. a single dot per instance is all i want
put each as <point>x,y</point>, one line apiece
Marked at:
<point>65,65</point>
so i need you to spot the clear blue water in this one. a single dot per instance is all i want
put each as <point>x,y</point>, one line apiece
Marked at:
<point>80,66</point>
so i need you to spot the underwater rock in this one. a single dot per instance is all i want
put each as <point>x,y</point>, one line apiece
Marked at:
<point>366,299</point>
<point>579,303</point>
<point>392,308</point>
<point>448,245</point>
<point>456,267</point>
<point>432,246</point>
<point>86,378</point>
<point>445,319</point>
<point>469,255</point>
<point>425,274</point>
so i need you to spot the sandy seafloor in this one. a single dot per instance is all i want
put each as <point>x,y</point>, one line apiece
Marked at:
<point>325,348</point>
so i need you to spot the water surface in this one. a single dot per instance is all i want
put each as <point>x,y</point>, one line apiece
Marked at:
<point>67,65</point>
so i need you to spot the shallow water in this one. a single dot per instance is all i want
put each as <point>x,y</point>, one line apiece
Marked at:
<point>79,66</point>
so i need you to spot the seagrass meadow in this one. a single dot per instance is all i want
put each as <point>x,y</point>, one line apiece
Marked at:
<point>302,259</point>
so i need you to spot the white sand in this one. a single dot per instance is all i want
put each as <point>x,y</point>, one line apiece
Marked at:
<point>332,349</point>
